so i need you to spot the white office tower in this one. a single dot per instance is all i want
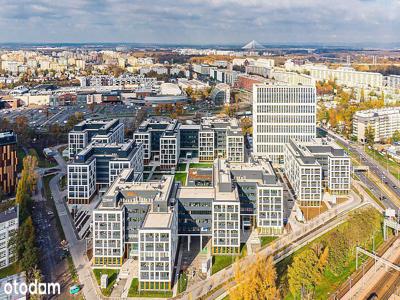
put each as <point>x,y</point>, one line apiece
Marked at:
<point>282,112</point>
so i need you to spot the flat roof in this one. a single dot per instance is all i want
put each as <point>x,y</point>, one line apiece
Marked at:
<point>157,220</point>
<point>196,192</point>
<point>9,214</point>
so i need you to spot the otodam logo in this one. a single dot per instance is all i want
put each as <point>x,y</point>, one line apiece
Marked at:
<point>33,288</point>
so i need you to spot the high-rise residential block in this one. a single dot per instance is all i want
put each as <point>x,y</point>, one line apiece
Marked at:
<point>282,112</point>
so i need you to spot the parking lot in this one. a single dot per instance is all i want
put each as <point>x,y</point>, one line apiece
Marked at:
<point>41,118</point>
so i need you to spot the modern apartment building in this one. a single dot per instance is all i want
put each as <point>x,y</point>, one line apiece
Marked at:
<point>225,213</point>
<point>384,122</point>
<point>161,141</point>
<point>165,140</point>
<point>97,166</point>
<point>316,167</point>
<point>221,137</point>
<point>346,76</point>
<point>8,229</point>
<point>8,162</point>
<point>138,220</point>
<point>142,220</point>
<point>102,131</point>
<point>282,112</point>
<point>259,193</point>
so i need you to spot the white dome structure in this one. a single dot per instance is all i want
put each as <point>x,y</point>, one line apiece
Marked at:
<point>170,89</point>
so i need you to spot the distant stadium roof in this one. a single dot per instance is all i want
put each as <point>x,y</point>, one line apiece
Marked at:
<point>253,45</point>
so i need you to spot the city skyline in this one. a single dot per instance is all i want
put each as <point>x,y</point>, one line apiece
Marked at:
<point>372,23</point>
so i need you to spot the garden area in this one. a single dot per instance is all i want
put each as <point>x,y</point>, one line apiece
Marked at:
<point>181,177</point>
<point>220,262</point>
<point>112,277</point>
<point>135,292</point>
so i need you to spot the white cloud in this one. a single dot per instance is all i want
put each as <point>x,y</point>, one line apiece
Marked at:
<point>201,21</point>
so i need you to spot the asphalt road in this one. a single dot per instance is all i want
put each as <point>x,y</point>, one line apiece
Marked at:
<point>374,167</point>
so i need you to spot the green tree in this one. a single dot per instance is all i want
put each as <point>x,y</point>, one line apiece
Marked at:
<point>369,135</point>
<point>304,274</point>
<point>396,136</point>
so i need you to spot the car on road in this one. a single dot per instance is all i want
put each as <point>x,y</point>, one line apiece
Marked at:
<point>74,289</point>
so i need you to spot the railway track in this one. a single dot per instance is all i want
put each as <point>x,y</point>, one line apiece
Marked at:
<point>388,284</point>
<point>357,276</point>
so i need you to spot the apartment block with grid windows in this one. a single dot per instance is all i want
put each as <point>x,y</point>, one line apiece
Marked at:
<point>282,112</point>
<point>143,226</point>
<point>101,131</point>
<point>316,167</point>
<point>8,230</point>
<point>98,165</point>
<point>221,137</point>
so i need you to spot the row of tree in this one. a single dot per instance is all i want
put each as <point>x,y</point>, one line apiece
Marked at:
<point>330,255</point>
<point>333,253</point>
<point>23,241</point>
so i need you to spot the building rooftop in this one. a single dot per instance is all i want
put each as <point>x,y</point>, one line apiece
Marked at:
<point>157,220</point>
<point>7,137</point>
<point>125,190</point>
<point>377,112</point>
<point>9,214</point>
<point>307,152</point>
<point>196,192</point>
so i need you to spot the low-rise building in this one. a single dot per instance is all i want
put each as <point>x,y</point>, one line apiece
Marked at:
<point>315,167</point>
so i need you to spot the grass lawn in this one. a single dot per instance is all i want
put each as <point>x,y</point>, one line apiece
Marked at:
<point>265,240</point>
<point>385,162</point>
<point>182,283</point>
<point>329,281</point>
<point>72,270</point>
<point>134,291</point>
<point>10,270</point>
<point>181,167</point>
<point>200,165</point>
<point>112,277</point>
<point>220,262</point>
<point>181,177</point>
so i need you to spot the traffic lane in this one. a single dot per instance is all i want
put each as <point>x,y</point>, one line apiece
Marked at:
<point>377,191</point>
<point>373,166</point>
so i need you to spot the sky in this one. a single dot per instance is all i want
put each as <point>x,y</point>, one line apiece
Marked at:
<point>330,22</point>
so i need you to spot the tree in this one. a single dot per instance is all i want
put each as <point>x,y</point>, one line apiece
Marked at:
<point>247,125</point>
<point>396,136</point>
<point>369,135</point>
<point>303,273</point>
<point>259,281</point>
